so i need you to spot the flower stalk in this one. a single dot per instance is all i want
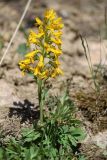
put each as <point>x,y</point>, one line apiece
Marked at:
<point>40,97</point>
<point>43,61</point>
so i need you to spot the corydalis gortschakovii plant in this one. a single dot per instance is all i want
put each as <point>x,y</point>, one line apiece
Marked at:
<point>43,60</point>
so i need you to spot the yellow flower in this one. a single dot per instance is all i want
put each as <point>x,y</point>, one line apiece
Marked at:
<point>57,52</point>
<point>56,72</point>
<point>57,34</point>
<point>56,62</point>
<point>59,71</point>
<point>43,75</point>
<point>43,61</point>
<point>39,66</point>
<point>24,65</point>
<point>54,50</point>
<point>36,71</point>
<point>57,24</point>
<point>32,54</point>
<point>47,47</point>
<point>50,14</point>
<point>39,22</point>
<point>39,35</point>
<point>56,41</point>
<point>41,32</point>
<point>32,37</point>
<point>58,21</point>
<point>26,62</point>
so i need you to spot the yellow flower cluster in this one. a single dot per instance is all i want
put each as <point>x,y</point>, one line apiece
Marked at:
<point>43,61</point>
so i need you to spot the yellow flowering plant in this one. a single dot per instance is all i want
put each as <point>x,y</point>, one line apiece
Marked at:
<point>59,133</point>
<point>43,61</point>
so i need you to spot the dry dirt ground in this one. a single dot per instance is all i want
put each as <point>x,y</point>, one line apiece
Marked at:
<point>18,94</point>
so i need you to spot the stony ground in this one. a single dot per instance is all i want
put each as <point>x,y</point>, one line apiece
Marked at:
<point>18,94</point>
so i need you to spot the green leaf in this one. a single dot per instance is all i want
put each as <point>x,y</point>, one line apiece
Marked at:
<point>33,152</point>
<point>81,157</point>
<point>1,153</point>
<point>11,151</point>
<point>32,137</point>
<point>75,121</point>
<point>26,154</point>
<point>72,140</point>
<point>78,133</point>
<point>27,131</point>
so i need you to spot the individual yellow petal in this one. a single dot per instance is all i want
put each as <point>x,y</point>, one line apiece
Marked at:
<point>57,62</point>
<point>22,66</point>
<point>41,62</point>
<point>56,41</point>
<point>57,34</point>
<point>57,52</point>
<point>36,71</point>
<point>25,61</point>
<point>39,35</point>
<point>31,54</point>
<point>39,22</point>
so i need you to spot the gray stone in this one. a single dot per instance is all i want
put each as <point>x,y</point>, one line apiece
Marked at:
<point>7,94</point>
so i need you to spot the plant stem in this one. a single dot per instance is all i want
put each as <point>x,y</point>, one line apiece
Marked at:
<point>40,100</point>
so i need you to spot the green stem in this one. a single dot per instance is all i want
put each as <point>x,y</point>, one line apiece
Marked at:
<point>40,100</point>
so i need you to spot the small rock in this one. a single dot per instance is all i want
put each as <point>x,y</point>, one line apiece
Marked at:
<point>100,140</point>
<point>7,94</point>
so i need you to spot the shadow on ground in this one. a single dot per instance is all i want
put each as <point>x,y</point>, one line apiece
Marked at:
<point>26,111</point>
